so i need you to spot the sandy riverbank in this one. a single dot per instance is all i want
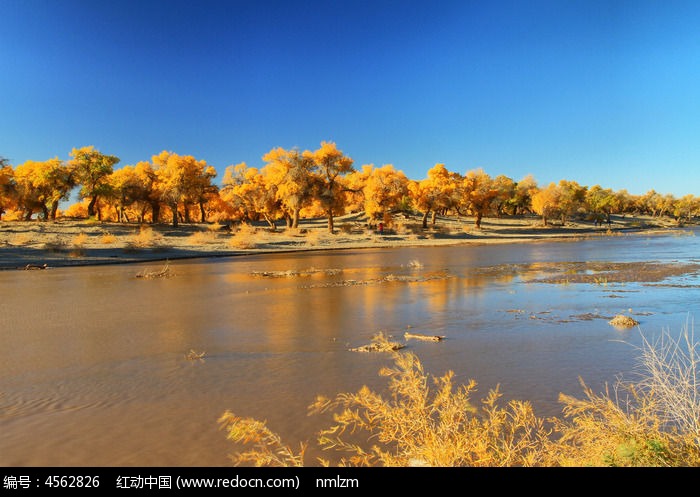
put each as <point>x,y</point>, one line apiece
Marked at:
<point>82,242</point>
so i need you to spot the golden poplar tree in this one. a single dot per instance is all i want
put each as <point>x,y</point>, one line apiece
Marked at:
<point>545,202</point>
<point>7,187</point>
<point>435,193</point>
<point>384,189</point>
<point>290,174</point>
<point>182,180</point>
<point>91,170</point>
<point>330,165</point>
<point>248,192</point>
<point>41,185</point>
<point>478,191</point>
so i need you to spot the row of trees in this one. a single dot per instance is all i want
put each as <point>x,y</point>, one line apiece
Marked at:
<point>293,184</point>
<point>170,180</point>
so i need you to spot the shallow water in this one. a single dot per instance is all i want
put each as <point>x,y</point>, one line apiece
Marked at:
<point>93,368</point>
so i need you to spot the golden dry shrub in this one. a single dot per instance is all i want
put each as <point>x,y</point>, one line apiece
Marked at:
<point>202,238</point>
<point>145,238</point>
<point>245,237</point>
<point>108,239</point>
<point>653,421</point>
<point>602,430</point>
<point>78,243</point>
<point>424,421</point>
<point>429,421</point>
<point>622,321</point>
<point>80,240</point>
<point>267,447</point>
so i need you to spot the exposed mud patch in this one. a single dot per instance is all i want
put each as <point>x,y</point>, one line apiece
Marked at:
<point>605,273</point>
<point>296,274</point>
<point>390,278</point>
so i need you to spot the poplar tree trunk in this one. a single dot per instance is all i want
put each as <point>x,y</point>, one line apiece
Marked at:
<point>173,209</point>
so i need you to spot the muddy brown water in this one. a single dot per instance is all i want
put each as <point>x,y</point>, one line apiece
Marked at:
<point>92,359</point>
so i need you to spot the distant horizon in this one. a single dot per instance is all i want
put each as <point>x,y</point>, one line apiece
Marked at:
<point>601,92</point>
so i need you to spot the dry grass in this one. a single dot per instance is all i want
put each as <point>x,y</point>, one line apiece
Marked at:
<point>672,375</point>
<point>108,239</point>
<point>145,238</point>
<point>22,239</point>
<point>425,421</point>
<point>78,245</point>
<point>317,237</point>
<point>268,449</point>
<point>245,237</point>
<point>428,421</point>
<point>80,240</point>
<point>653,421</point>
<point>202,238</point>
<point>294,232</point>
<point>55,246</point>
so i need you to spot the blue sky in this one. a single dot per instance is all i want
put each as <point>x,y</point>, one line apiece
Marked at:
<point>601,92</point>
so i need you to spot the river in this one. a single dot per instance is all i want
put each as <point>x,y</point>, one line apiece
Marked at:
<point>92,359</point>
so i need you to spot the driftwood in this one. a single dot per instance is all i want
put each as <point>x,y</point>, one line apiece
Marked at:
<point>427,338</point>
<point>163,273</point>
<point>380,343</point>
<point>193,356</point>
<point>375,347</point>
<point>35,266</point>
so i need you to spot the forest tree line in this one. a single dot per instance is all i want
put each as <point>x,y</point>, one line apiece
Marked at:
<point>294,184</point>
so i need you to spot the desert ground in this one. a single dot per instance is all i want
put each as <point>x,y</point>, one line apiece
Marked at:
<point>69,242</point>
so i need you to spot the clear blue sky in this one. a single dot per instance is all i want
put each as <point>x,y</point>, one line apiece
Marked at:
<point>601,92</point>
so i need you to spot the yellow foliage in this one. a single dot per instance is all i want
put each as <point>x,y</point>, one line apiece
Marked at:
<point>181,180</point>
<point>436,192</point>
<point>289,174</point>
<point>41,185</point>
<point>12,215</point>
<point>384,189</point>
<point>546,202</point>
<point>330,165</point>
<point>77,210</point>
